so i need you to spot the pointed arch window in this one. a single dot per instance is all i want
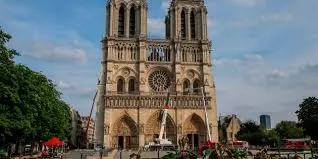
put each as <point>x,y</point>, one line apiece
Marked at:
<point>183,23</point>
<point>186,87</point>
<point>196,86</point>
<point>131,85</point>
<point>120,85</point>
<point>121,22</point>
<point>192,24</point>
<point>132,22</point>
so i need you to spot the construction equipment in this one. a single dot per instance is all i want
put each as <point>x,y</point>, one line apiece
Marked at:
<point>162,143</point>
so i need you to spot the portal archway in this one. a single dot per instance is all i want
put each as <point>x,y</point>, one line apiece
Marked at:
<point>152,128</point>
<point>194,128</point>
<point>125,133</point>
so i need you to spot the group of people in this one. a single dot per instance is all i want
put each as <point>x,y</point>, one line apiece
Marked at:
<point>51,152</point>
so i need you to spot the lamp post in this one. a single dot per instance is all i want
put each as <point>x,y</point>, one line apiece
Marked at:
<point>205,111</point>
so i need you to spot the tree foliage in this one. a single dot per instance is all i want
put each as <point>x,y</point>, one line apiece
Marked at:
<point>31,108</point>
<point>308,116</point>
<point>289,129</point>
<point>252,133</point>
<point>271,138</point>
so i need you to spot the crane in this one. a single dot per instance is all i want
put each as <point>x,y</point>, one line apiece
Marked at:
<point>162,141</point>
<point>205,113</point>
<point>163,123</point>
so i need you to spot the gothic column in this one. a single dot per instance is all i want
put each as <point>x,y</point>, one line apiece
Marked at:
<point>197,25</point>
<point>205,25</point>
<point>143,21</point>
<point>115,21</point>
<point>202,24</point>
<point>171,22</point>
<point>141,136</point>
<point>177,25</point>
<point>179,133</point>
<point>138,21</point>
<point>127,19</point>
<point>188,25</point>
<point>110,20</point>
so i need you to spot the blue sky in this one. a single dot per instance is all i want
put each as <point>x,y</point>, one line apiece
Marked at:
<point>265,51</point>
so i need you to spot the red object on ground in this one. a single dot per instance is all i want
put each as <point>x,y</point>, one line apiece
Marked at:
<point>206,145</point>
<point>54,141</point>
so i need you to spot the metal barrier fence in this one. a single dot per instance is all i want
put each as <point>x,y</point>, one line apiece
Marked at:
<point>270,154</point>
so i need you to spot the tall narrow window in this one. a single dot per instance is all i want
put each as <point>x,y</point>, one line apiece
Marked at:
<point>121,22</point>
<point>196,86</point>
<point>120,85</point>
<point>186,87</point>
<point>183,27</point>
<point>192,24</point>
<point>132,22</point>
<point>131,85</point>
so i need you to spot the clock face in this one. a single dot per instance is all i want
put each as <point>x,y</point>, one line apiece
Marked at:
<point>159,80</point>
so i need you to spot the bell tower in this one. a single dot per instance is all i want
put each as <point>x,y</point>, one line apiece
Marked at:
<point>126,19</point>
<point>187,20</point>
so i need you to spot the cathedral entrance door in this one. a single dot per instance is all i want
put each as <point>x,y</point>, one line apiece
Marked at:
<point>193,140</point>
<point>189,136</point>
<point>127,142</point>
<point>121,142</point>
<point>196,140</point>
<point>125,132</point>
<point>195,130</point>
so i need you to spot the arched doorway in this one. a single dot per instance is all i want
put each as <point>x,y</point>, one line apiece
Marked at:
<point>153,125</point>
<point>195,129</point>
<point>125,133</point>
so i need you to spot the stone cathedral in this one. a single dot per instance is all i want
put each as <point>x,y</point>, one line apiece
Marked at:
<point>138,72</point>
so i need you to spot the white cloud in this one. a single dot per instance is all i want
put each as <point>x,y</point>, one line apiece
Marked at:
<point>75,89</point>
<point>56,53</point>
<point>156,27</point>
<point>64,85</point>
<point>253,57</point>
<point>165,4</point>
<point>244,60</point>
<point>277,18</point>
<point>210,23</point>
<point>248,3</point>
<point>61,46</point>
<point>276,75</point>
<point>242,23</point>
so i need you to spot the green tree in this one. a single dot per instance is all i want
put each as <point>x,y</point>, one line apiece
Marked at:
<point>11,117</point>
<point>272,138</point>
<point>288,129</point>
<point>31,108</point>
<point>308,116</point>
<point>252,133</point>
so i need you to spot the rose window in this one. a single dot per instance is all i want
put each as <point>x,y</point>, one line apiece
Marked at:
<point>159,80</point>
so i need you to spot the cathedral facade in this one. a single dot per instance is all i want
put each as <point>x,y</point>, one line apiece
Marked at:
<point>138,73</point>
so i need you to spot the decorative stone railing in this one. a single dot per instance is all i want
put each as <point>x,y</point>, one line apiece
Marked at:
<point>155,101</point>
<point>185,94</point>
<point>159,51</point>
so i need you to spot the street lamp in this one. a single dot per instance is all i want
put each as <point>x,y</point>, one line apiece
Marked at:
<point>205,112</point>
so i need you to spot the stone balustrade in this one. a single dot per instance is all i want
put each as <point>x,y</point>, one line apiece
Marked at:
<point>191,101</point>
